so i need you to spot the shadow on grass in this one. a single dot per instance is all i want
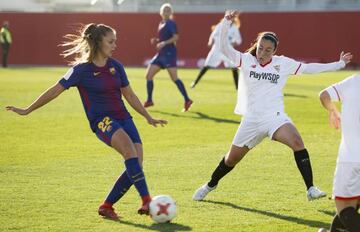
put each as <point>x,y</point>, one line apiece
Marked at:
<point>311,223</point>
<point>164,227</point>
<point>328,212</point>
<point>197,115</point>
<point>294,95</point>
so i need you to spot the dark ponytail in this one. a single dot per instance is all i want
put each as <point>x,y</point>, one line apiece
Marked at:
<point>263,35</point>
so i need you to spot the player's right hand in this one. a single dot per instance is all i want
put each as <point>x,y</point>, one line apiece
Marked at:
<point>153,40</point>
<point>19,111</point>
<point>231,14</point>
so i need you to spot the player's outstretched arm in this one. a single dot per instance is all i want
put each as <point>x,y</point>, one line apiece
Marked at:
<point>43,99</point>
<point>310,68</point>
<point>225,46</point>
<point>135,103</point>
<point>334,115</point>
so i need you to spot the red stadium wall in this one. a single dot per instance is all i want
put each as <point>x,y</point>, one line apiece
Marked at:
<point>310,36</point>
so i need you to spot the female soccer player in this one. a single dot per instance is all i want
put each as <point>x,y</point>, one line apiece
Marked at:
<point>260,100</point>
<point>346,190</point>
<point>101,81</point>
<point>166,57</point>
<point>215,57</point>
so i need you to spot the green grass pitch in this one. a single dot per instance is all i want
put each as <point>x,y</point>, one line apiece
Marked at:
<point>54,172</point>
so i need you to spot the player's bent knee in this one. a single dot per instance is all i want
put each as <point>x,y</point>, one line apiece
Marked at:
<point>297,144</point>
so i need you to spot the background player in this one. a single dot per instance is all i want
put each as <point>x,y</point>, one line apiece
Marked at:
<point>101,82</point>
<point>166,57</point>
<point>346,190</point>
<point>260,101</point>
<point>215,57</point>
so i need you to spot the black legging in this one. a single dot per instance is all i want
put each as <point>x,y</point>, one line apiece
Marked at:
<point>5,53</point>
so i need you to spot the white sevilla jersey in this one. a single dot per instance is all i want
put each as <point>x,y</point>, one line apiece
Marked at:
<point>348,92</point>
<point>260,91</point>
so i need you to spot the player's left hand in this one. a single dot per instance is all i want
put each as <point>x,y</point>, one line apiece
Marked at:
<point>155,122</point>
<point>346,57</point>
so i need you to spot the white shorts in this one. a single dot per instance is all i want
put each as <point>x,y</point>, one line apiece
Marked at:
<point>347,181</point>
<point>215,57</point>
<point>252,132</point>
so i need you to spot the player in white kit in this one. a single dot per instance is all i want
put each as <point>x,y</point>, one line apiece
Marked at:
<point>215,57</point>
<point>260,100</point>
<point>346,190</point>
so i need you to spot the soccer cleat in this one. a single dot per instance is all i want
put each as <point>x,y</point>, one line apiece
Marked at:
<point>108,212</point>
<point>192,85</point>
<point>314,193</point>
<point>148,104</point>
<point>144,209</point>
<point>201,192</point>
<point>187,105</point>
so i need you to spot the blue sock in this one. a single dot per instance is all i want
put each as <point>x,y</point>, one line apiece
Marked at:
<point>136,175</point>
<point>150,88</point>
<point>182,89</point>
<point>121,186</point>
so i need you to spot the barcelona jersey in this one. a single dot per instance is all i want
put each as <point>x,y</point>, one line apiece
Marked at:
<point>100,89</point>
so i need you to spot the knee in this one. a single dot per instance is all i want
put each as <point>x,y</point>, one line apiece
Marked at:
<point>149,77</point>
<point>230,161</point>
<point>297,143</point>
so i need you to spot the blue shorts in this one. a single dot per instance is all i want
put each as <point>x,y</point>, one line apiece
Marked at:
<point>166,60</point>
<point>107,126</point>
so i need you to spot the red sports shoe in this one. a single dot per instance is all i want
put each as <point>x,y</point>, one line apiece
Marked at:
<point>108,212</point>
<point>144,209</point>
<point>187,105</point>
<point>148,104</point>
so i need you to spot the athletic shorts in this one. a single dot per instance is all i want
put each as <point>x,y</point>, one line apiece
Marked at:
<point>215,57</point>
<point>166,60</point>
<point>252,132</point>
<point>347,181</point>
<point>107,126</point>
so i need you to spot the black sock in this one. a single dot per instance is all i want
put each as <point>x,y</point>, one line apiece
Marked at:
<point>236,77</point>
<point>350,219</point>
<point>303,163</point>
<point>221,170</point>
<point>336,225</point>
<point>202,72</point>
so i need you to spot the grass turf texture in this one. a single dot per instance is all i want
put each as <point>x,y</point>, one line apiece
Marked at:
<point>54,172</point>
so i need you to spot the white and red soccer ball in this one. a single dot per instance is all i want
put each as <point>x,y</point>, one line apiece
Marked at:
<point>162,209</point>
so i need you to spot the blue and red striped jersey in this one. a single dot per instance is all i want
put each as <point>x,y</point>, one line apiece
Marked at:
<point>100,89</point>
<point>166,30</point>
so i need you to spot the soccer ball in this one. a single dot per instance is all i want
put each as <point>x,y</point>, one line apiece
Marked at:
<point>162,209</point>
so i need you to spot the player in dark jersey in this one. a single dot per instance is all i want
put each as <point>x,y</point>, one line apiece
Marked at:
<point>166,57</point>
<point>102,81</point>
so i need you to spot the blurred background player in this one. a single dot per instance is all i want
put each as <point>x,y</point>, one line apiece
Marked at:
<point>5,40</point>
<point>260,101</point>
<point>215,57</point>
<point>346,189</point>
<point>166,57</point>
<point>101,82</point>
